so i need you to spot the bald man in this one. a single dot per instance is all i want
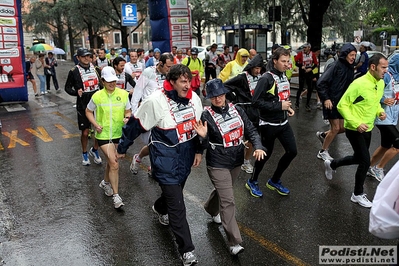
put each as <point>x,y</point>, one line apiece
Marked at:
<point>252,53</point>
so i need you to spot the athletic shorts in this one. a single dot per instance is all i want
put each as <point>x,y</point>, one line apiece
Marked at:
<point>83,122</point>
<point>102,142</point>
<point>389,133</point>
<point>331,113</point>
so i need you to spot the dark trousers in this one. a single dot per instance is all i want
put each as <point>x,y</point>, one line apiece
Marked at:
<point>360,143</point>
<point>287,139</point>
<point>304,77</point>
<point>171,202</point>
<point>55,81</point>
<point>210,72</point>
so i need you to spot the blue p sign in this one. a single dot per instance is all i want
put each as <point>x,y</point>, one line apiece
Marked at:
<point>129,14</point>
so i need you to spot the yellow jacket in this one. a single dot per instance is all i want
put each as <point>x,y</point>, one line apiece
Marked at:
<point>233,68</point>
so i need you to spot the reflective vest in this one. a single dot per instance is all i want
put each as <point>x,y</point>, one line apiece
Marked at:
<point>110,111</point>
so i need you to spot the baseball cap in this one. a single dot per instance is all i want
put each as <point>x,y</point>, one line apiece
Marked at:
<point>82,52</point>
<point>108,73</point>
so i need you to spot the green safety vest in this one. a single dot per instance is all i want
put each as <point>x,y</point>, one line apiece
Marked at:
<point>110,112</point>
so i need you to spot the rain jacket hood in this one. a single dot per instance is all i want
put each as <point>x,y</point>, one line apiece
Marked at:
<point>393,68</point>
<point>345,50</point>
<point>240,53</point>
<point>257,61</point>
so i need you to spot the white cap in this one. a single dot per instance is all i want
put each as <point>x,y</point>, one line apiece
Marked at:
<point>108,73</point>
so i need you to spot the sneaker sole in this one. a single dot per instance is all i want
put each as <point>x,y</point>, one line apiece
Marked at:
<point>119,205</point>
<point>134,171</point>
<point>94,158</point>
<point>278,191</point>
<point>85,164</point>
<point>250,192</point>
<point>321,157</point>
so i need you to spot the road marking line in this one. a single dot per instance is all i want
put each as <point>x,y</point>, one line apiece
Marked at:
<point>282,253</point>
<point>41,133</point>
<point>66,118</point>
<point>270,246</point>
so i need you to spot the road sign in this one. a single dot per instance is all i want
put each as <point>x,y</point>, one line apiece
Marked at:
<point>383,35</point>
<point>129,14</point>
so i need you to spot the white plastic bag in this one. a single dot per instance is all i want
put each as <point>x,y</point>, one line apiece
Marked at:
<point>384,214</point>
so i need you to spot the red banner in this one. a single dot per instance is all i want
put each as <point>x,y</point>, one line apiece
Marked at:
<point>11,53</point>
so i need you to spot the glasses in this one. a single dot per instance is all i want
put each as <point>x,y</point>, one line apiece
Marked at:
<point>219,96</point>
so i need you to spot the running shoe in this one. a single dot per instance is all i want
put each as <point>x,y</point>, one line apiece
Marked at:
<point>85,161</point>
<point>278,187</point>
<point>253,188</point>
<point>216,219</point>
<point>370,172</point>
<point>307,107</point>
<point>379,173</point>
<point>163,218</point>
<point>106,186</point>
<point>329,171</point>
<point>134,166</point>
<point>320,135</point>
<point>189,259</point>
<point>235,250</point>
<point>362,200</point>
<point>324,155</point>
<point>95,155</point>
<point>247,167</point>
<point>117,201</point>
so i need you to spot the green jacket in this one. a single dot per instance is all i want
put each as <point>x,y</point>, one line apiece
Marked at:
<point>360,104</point>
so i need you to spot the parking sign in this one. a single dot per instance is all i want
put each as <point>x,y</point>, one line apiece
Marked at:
<point>129,14</point>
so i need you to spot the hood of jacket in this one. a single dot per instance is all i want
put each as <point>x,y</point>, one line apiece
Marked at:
<point>345,50</point>
<point>393,67</point>
<point>257,61</point>
<point>239,55</point>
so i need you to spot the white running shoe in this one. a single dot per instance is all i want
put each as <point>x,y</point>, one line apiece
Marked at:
<point>247,167</point>
<point>370,172</point>
<point>379,173</point>
<point>324,155</point>
<point>107,188</point>
<point>117,201</point>
<point>189,259</point>
<point>329,171</point>
<point>134,166</point>
<point>362,200</point>
<point>217,219</point>
<point>95,155</point>
<point>86,160</point>
<point>235,250</point>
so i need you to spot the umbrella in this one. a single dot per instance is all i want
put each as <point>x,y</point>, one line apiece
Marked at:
<point>57,50</point>
<point>41,47</point>
<point>369,44</point>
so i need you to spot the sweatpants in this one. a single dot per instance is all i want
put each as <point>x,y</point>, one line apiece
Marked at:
<point>221,200</point>
<point>171,202</point>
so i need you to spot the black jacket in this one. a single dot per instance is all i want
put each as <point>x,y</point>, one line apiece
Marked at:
<point>74,83</point>
<point>267,101</point>
<point>239,91</point>
<point>334,82</point>
<point>230,157</point>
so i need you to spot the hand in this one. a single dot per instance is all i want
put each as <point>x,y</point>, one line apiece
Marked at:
<point>259,154</point>
<point>202,129</point>
<point>328,104</point>
<point>197,159</point>
<point>382,116</point>
<point>291,112</point>
<point>80,92</point>
<point>286,105</point>
<point>389,101</point>
<point>362,128</point>
<point>98,128</point>
<point>125,120</point>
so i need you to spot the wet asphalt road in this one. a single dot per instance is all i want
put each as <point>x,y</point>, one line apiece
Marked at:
<point>52,211</point>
